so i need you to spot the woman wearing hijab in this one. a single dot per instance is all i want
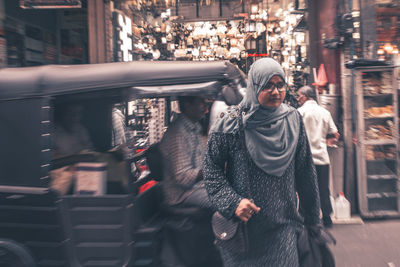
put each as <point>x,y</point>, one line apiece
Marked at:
<point>256,179</point>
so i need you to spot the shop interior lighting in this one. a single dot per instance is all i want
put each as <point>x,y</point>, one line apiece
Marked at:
<point>356,35</point>
<point>254,8</point>
<point>388,48</point>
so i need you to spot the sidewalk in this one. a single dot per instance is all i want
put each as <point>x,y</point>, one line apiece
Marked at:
<point>376,243</point>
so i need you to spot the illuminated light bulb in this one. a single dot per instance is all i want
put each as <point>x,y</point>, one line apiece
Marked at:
<point>156,54</point>
<point>234,42</point>
<point>380,52</point>
<point>388,48</point>
<point>254,8</point>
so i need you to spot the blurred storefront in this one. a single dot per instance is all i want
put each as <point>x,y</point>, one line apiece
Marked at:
<point>58,32</point>
<point>239,31</point>
<point>36,35</point>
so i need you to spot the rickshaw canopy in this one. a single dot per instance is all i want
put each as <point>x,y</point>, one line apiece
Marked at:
<point>132,77</point>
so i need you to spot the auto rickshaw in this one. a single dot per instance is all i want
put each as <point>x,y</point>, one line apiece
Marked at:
<point>115,227</point>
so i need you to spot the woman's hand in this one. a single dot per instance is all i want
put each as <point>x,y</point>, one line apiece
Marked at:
<point>246,209</point>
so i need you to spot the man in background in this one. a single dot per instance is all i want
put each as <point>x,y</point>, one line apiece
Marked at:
<point>320,129</point>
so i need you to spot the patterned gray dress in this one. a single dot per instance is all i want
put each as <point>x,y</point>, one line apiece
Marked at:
<point>273,231</point>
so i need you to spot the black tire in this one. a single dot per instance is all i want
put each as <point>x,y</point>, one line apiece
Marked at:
<point>13,254</point>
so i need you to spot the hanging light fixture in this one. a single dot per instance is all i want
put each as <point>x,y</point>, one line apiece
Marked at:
<point>250,44</point>
<point>388,48</point>
<point>251,26</point>
<point>234,42</point>
<point>254,7</point>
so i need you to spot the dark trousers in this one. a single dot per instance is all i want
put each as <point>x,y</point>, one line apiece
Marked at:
<point>324,194</point>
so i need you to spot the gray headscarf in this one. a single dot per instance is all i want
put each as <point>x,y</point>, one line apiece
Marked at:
<point>271,135</point>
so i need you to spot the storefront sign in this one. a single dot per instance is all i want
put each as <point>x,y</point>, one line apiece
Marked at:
<point>123,37</point>
<point>33,4</point>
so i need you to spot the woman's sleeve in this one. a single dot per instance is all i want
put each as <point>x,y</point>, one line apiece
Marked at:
<point>306,180</point>
<point>221,193</point>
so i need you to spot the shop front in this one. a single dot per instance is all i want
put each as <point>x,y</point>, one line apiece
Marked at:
<point>40,36</point>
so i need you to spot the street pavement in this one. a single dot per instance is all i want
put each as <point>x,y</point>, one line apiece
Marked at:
<point>375,243</point>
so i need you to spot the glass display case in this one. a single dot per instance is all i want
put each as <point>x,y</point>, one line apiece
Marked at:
<point>377,141</point>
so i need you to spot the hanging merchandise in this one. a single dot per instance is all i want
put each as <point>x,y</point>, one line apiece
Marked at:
<point>321,80</point>
<point>156,122</point>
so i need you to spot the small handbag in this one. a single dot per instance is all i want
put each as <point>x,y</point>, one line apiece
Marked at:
<point>231,234</point>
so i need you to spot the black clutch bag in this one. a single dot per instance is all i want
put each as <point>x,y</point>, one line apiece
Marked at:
<point>230,235</point>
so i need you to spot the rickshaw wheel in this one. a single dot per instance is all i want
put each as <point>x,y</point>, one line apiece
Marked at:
<point>13,254</point>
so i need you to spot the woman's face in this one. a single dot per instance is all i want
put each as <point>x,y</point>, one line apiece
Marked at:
<point>273,94</point>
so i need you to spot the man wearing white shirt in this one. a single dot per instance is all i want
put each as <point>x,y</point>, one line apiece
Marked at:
<point>320,129</point>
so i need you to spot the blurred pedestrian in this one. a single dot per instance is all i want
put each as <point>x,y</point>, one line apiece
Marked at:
<point>257,158</point>
<point>70,135</point>
<point>319,125</point>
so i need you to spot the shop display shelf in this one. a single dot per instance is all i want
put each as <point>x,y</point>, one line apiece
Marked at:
<point>380,117</point>
<point>382,195</point>
<point>379,142</point>
<point>377,95</point>
<point>381,161</point>
<point>382,176</point>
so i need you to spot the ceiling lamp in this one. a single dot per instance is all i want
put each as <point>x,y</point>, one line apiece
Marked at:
<point>254,7</point>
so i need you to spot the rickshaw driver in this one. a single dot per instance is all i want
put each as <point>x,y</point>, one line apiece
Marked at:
<point>182,155</point>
